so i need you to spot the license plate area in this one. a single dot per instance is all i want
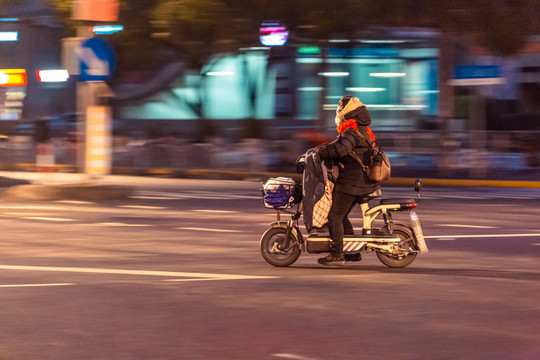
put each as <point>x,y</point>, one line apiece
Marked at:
<point>417,228</point>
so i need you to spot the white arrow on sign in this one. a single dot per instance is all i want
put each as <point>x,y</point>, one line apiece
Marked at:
<point>96,66</point>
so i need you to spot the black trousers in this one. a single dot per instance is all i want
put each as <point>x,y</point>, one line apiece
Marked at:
<point>338,221</point>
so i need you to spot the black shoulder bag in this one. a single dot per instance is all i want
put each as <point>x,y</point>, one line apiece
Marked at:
<point>379,167</point>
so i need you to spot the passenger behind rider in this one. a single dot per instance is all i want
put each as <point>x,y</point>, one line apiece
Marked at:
<point>352,120</point>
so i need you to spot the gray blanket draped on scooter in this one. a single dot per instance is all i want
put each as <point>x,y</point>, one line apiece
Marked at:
<point>317,191</point>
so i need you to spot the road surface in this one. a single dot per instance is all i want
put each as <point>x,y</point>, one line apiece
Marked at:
<point>175,272</point>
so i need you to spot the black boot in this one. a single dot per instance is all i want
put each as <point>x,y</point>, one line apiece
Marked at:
<point>333,260</point>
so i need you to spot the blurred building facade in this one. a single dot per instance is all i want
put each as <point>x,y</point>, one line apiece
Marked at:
<point>38,46</point>
<point>396,76</point>
<point>394,71</point>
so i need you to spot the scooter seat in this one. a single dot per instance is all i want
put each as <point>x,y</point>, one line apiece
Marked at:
<point>366,198</point>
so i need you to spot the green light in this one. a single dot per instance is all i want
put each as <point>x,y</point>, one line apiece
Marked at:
<point>309,50</point>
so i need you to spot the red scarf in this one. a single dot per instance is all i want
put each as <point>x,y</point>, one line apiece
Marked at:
<point>348,124</point>
<point>353,124</point>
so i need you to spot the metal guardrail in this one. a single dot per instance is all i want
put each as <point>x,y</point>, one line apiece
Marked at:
<point>473,154</point>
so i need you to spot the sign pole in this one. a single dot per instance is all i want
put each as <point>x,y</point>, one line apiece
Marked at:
<point>98,140</point>
<point>82,103</point>
<point>95,61</point>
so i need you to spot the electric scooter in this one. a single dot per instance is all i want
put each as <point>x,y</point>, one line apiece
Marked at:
<point>396,244</point>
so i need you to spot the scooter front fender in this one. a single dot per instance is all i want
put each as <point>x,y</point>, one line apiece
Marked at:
<point>295,232</point>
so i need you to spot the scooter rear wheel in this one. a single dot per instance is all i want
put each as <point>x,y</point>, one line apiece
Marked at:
<point>403,257</point>
<point>271,243</point>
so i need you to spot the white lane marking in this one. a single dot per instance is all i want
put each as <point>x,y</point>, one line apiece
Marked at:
<point>145,207</point>
<point>208,279</point>
<point>29,207</point>
<point>217,211</point>
<point>467,197</point>
<point>35,285</point>
<point>206,229</point>
<point>136,272</point>
<point>191,195</point>
<point>76,202</point>
<point>143,197</point>
<point>119,224</point>
<point>480,236</point>
<point>468,226</point>
<point>46,218</point>
<point>293,356</point>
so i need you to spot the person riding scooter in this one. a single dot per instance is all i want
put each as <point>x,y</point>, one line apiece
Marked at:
<point>352,120</point>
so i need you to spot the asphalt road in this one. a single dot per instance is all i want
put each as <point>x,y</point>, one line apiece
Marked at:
<point>175,273</point>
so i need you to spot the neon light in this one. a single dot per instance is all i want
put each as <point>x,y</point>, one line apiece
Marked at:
<point>387,74</point>
<point>52,75</point>
<point>271,34</point>
<point>309,50</point>
<point>334,73</point>
<point>15,95</point>
<point>275,39</point>
<point>9,36</point>
<point>107,29</point>
<point>382,107</point>
<point>220,73</point>
<point>310,88</point>
<point>309,61</point>
<point>12,77</point>
<point>9,116</point>
<point>383,41</point>
<point>398,107</point>
<point>365,89</point>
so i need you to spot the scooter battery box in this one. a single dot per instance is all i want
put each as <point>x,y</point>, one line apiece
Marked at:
<point>317,244</point>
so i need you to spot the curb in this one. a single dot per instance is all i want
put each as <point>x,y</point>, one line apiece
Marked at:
<point>67,192</point>
<point>263,175</point>
<point>239,175</point>
<point>83,190</point>
<point>469,183</point>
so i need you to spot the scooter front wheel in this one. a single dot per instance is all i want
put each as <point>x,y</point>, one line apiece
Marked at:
<point>405,254</point>
<point>271,247</point>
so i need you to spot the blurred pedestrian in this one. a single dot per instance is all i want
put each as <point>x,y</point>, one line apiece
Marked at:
<point>352,120</point>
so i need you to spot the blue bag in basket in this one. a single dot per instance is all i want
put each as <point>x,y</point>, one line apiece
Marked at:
<point>279,193</point>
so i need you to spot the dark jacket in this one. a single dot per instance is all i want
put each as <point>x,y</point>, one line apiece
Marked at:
<point>352,178</point>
